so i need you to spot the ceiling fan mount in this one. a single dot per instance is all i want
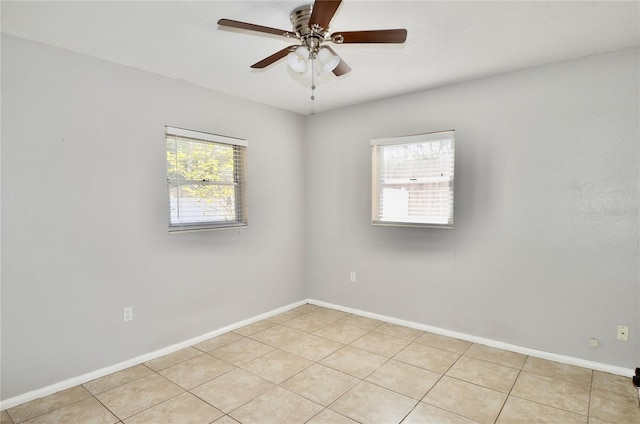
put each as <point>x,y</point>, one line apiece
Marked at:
<point>300,20</point>
<point>311,36</point>
<point>311,27</point>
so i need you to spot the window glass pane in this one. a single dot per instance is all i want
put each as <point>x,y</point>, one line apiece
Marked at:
<point>205,182</point>
<point>425,161</point>
<point>413,181</point>
<point>192,203</point>
<point>196,161</point>
<point>428,203</point>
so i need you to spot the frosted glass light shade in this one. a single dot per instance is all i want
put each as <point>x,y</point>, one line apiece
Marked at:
<point>327,61</point>
<point>297,59</point>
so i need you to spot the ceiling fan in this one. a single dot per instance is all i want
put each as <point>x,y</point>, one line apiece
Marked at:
<point>311,28</point>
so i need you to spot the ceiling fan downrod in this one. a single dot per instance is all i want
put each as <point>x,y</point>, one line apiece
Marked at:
<point>311,28</point>
<point>311,37</point>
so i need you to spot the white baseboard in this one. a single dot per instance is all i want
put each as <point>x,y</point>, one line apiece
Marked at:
<point>81,379</point>
<point>66,384</point>
<point>563,359</point>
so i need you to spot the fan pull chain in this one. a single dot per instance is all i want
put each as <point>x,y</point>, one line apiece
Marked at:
<point>313,80</point>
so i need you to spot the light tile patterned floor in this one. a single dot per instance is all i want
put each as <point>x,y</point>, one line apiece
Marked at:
<point>317,365</point>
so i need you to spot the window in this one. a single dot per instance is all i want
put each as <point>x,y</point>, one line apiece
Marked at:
<point>413,180</point>
<point>205,175</point>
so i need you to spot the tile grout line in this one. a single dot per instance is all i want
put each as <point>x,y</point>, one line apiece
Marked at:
<point>548,406</point>
<point>544,404</point>
<point>437,381</point>
<point>105,407</point>
<point>281,349</point>
<point>445,374</point>
<point>511,389</point>
<point>313,362</point>
<point>160,403</point>
<point>52,410</point>
<point>590,394</point>
<point>363,379</point>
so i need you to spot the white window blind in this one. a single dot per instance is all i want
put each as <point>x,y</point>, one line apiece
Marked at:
<point>206,180</point>
<point>413,180</point>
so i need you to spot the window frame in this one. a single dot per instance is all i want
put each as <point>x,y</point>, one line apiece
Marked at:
<point>239,180</point>
<point>377,145</point>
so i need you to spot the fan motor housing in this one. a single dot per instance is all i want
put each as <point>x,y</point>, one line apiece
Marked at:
<point>300,20</point>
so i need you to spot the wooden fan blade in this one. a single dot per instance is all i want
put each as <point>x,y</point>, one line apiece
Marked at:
<point>322,13</point>
<point>342,67</point>
<point>258,28</point>
<point>271,59</point>
<point>375,36</point>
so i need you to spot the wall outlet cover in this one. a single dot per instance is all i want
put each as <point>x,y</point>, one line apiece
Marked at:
<point>623,333</point>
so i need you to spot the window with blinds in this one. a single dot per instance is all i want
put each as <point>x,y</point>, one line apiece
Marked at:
<point>413,180</point>
<point>206,180</point>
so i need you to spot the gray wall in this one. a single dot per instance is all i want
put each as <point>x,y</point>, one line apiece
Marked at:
<point>544,253</point>
<point>84,216</point>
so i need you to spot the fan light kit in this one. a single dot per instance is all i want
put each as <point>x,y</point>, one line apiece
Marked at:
<point>311,28</point>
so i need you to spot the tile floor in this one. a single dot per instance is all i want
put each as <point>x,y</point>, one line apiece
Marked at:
<point>316,365</point>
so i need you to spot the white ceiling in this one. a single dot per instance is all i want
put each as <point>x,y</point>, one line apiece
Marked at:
<point>447,41</point>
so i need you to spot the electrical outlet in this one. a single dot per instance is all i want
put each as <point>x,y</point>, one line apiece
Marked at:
<point>623,333</point>
<point>127,314</point>
<point>352,277</point>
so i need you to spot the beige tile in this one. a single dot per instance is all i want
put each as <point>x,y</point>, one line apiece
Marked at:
<point>560,394</point>
<point>429,414</point>
<point>277,406</point>
<point>362,322</point>
<point>368,403</point>
<point>250,329</point>
<point>216,342</point>
<point>232,389</point>
<point>400,331</point>
<point>466,399</point>
<point>614,407</point>
<point>497,356</point>
<point>404,378</point>
<point>483,373</point>
<point>131,398</point>
<point>355,362</point>
<point>313,348</point>
<point>194,372</point>
<point>4,418</point>
<point>557,370</point>
<point>341,332</point>
<point>593,420</point>
<point>278,336</point>
<point>427,357</point>
<point>330,417</point>
<point>320,384</point>
<point>226,420</point>
<point>306,308</point>
<point>285,316</point>
<point>242,351</point>
<point>444,342</point>
<point>46,404</point>
<point>171,359</point>
<point>309,322</point>
<point>85,411</point>
<point>333,314</point>
<point>116,379</point>
<point>184,408</point>
<point>614,383</point>
<point>277,366</point>
<point>380,344</point>
<point>521,411</point>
